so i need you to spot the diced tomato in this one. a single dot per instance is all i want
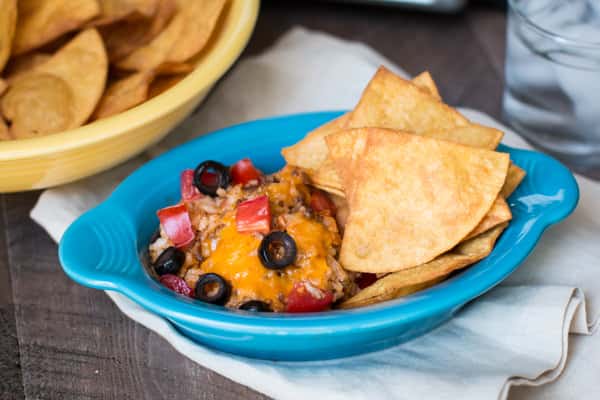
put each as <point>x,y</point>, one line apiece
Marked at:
<point>244,171</point>
<point>307,299</point>
<point>176,223</point>
<point>176,284</point>
<point>366,279</point>
<point>254,215</point>
<point>189,191</point>
<point>321,203</point>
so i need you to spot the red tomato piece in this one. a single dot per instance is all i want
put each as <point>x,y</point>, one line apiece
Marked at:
<point>176,223</point>
<point>176,284</point>
<point>304,298</point>
<point>244,171</point>
<point>321,203</point>
<point>189,191</point>
<point>366,279</point>
<point>254,215</point>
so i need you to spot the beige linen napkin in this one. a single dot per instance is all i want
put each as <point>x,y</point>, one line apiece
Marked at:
<point>518,334</point>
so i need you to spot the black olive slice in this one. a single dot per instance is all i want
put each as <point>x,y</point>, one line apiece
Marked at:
<point>256,306</point>
<point>277,250</point>
<point>210,186</point>
<point>212,288</point>
<point>169,261</point>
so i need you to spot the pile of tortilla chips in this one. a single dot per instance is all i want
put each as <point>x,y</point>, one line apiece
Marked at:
<point>64,63</point>
<point>420,189</point>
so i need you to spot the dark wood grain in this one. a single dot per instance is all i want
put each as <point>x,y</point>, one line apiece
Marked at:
<point>63,341</point>
<point>11,386</point>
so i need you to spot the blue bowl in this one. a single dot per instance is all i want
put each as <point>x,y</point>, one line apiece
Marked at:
<point>104,249</point>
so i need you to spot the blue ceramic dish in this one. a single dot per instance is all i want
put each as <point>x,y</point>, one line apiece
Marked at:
<point>103,249</point>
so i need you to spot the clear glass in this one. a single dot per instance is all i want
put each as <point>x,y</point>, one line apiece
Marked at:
<point>552,90</point>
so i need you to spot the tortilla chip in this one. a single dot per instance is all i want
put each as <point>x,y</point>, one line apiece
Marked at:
<point>473,134</point>
<point>8,24</point>
<point>344,145</point>
<point>41,21</point>
<point>311,152</point>
<point>174,68</point>
<point>38,105</point>
<point>63,90</point>
<point>124,94</point>
<point>24,64</point>
<point>390,101</point>
<point>112,11</point>
<point>395,103</point>
<point>200,19</point>
<point>513,179</point>
<point>498,214</point>
<point>4,132</point>
<point>414,198</point>
<point>151,55</point>
<point>330,190</point>
<point>163,83</point>
<point>124,37</point>
<point>425,81</point>
<point>3,86</point>
<point>411,280</point>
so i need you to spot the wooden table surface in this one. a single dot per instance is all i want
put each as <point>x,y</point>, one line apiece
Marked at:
<point>59,340</point>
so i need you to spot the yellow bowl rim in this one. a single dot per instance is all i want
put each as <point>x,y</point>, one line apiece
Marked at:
<point>222,56</point>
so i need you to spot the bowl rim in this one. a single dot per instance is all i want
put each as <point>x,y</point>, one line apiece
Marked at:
<point>464,287</point>
<point>223,54</point>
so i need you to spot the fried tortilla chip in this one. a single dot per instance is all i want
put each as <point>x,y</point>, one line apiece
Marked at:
<point>124,37</point>
<point>60,93</point>
<point>324,176</point>
<point>187,33</point>
<point>41,21</point>
<point>343,145</point>
<point>414,198</point>
<point>38,105</point>
<point>24,64</point>
<point>174,68</point>
<point>513,179</point>
<point>163,83</point>
<point>395,103</point>
<point>387,93</point>
<point>150,56</point>
<point>330,190</point>
<point>8,24</point>
<point>200,20</point>
<point>124,94</point>
<point>4,132</point>
<point>473,134</point>
<point>390,101</point>
<point>498,214</point>
<point>112,11</point>
<point>311,152</point>
<point>411,280</point>
<point>426,82</point>
<point>3,86</point>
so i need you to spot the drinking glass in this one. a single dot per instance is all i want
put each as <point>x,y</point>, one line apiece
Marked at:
<point>552,88</point>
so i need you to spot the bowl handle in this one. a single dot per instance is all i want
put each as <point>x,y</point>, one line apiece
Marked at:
<point>99,249</point>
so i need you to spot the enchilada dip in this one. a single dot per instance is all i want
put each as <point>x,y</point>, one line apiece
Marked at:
<point>250,241</point>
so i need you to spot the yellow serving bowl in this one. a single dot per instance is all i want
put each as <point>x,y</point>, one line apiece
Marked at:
<point>67,156</point>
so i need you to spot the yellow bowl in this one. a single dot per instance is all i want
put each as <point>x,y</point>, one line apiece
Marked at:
<point>67,156</point>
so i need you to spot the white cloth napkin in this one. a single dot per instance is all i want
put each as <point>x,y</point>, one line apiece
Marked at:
<point>518,334</point>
